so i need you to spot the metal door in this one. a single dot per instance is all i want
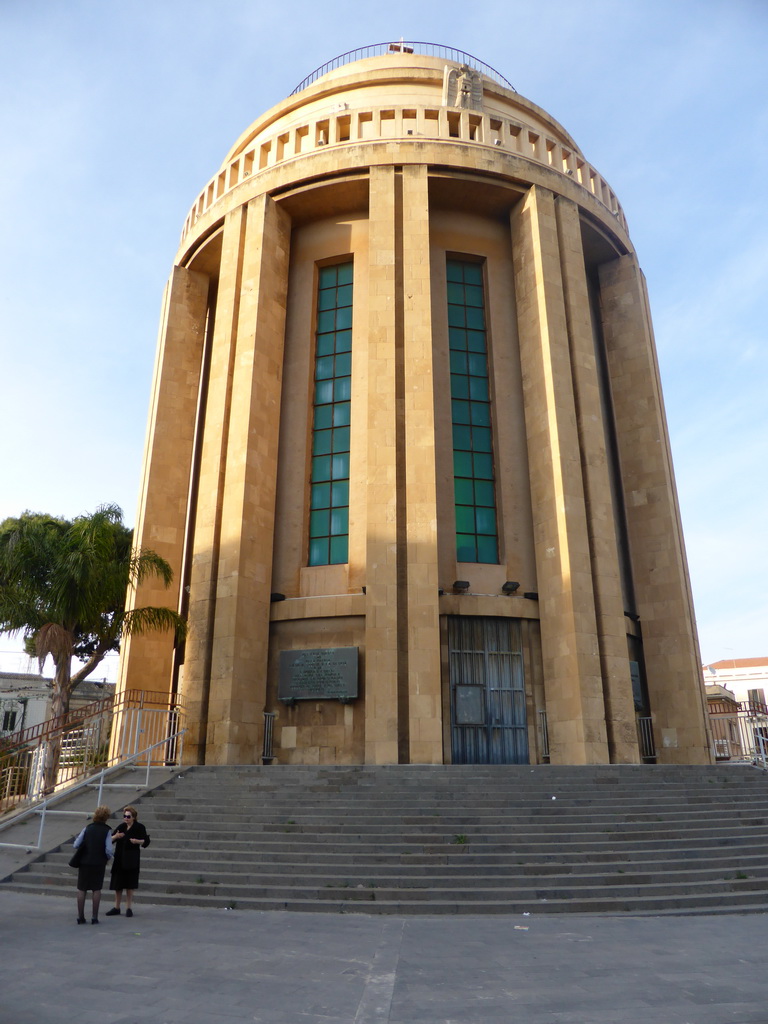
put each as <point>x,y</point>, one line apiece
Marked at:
<point>488,718</point>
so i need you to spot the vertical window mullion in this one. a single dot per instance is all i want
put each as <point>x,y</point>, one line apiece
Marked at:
<point>330,447</point>
<point>474,487</point>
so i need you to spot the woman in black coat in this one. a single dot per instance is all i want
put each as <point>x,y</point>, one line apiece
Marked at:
<point>95,848</point>
<point>129,838</point>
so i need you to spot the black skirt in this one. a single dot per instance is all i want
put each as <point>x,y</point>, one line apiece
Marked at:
<point>90,876</point>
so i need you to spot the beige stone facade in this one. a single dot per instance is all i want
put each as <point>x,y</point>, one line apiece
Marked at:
<point>401,167</point>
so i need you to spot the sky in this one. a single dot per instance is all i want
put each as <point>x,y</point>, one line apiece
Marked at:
<point>114,116</point>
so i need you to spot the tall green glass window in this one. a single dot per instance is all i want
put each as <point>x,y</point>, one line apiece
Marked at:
<point>475,494</point>
<point>329,499</point>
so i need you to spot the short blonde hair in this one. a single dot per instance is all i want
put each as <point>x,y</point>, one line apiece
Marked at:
<point>101,813</point>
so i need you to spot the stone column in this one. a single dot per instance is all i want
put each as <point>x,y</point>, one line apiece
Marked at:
<point>571,660</point>
<point>207,515</point>
<point>660,571</point>
<point>146,661</point>
<point>425,730</point>
<point>381,622</point>
<point>606,574</point>
<point>244,571</point>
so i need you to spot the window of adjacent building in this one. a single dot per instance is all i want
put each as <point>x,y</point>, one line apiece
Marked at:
<point>474,490</point>
<point>8,722</point>
<point>329,486</point>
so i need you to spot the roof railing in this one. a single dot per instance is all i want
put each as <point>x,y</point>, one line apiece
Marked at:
<point>405,46</point>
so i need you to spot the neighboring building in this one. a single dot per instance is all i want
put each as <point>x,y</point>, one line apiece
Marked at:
<point>407,451</point>
<point>25,699</point>
<point>746,678</point>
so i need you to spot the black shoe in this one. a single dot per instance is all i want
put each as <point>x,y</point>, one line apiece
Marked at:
<point>81,920</point>
<point>112,912</point>
<point>94,920</point>
<point>128,913</point>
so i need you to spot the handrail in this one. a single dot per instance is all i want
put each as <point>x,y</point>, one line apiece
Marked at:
<point>41,807</point>
<point>404,46</point>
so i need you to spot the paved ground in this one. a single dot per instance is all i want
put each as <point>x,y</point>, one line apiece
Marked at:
<point>168,965</point>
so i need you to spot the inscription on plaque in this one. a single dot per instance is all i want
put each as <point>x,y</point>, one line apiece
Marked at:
<point>329,673</point>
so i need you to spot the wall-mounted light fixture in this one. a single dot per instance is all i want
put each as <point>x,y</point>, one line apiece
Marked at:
<point>460,586</point>
<point>532,595</point>
<point>276,597</point>
<point>510,587</point>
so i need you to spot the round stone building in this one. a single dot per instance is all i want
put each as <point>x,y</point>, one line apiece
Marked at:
<point>407,452</point>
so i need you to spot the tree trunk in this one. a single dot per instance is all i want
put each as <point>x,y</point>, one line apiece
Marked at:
<point>62,688</point>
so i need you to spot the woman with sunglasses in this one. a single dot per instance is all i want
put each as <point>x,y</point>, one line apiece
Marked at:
<point>129,837</point>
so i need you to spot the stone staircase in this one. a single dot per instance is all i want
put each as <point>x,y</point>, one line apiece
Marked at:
<point>451,839</point>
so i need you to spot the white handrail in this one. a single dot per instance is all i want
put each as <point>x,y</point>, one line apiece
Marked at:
<point>42,808</point>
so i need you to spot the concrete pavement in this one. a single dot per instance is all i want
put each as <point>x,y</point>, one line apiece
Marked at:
<point>176,964</point>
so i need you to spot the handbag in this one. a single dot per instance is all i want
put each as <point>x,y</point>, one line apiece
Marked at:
<point>77,856</point>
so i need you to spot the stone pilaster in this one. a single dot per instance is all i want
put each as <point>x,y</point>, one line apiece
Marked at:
<point>574,698</point>
<point>146,661</point>
<point>660,571</point>
<point>381,624</point>
<point>601,521</point>
<point>423,624</point>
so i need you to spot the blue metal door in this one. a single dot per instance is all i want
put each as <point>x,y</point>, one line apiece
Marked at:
<point>488,717</point>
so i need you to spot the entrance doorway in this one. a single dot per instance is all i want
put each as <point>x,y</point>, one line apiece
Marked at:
<point>485,665</point>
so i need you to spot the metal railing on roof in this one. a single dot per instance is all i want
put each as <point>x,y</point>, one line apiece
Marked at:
<point>405,46</point>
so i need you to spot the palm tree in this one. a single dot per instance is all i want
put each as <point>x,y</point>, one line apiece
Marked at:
<point>63,586</point>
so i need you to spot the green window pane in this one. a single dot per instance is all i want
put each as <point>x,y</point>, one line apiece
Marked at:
<point>456,316</point>
<point>478,364</point>
<point>341,439</point>
<point>343,341</point>
<point>339,493</point>
<point>478,389</point>
<point>340,466</point>
<point>319,522</point>
<point>323,392</point>
<point>323,417</point>
<point>459,386</point>
<point>480,414</point>
<point>318,551</point>
<point>462,437</point>
<point>344,295</point>
<point>339,522</point>
<point>321,496</point>
<point>327,277</point>
<point>462,464</point>
<point>476,341</point>
<point>343,366</point>
<point>454,271</point>
<point>481,439</point>
<point>460,411</point>
<point>487,549</point>
<point>341,414</point>
<point>483,467</point>
<point>458,361</point>
<point>344,272</point>
<point>473,273</point>
<point>326,321</point>
<point>475,318</point>
<point>456,292</point>
<point>324,368</point>
<point>321,442</point>
<point>486,521</point>
<point>342,389</point>
<point>339,547</point>
<point>321,468</point>
<point>466,549</point>
<point>465,519</point>
<point>344,318</point>
<point>473,295</point>
<point>457,337</point>
<point>326,299</point>
<point>464,491</point>
<point>325,345</point>
<point>485,494</point>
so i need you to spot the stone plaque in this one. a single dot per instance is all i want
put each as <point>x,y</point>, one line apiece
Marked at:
<point>324,674</point>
